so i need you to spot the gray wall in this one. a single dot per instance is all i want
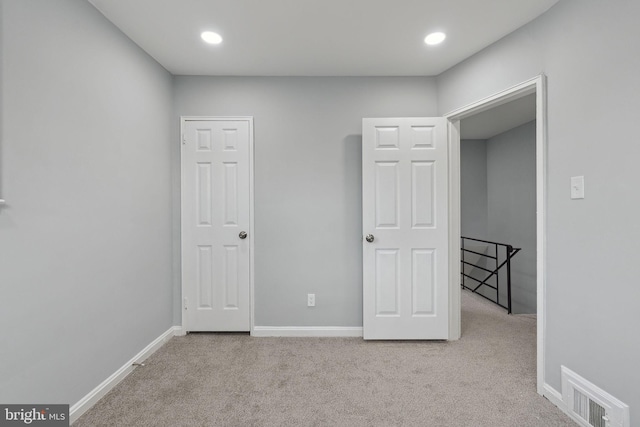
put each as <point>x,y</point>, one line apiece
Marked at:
<point>85,243</point>
<point>593,105</point>
<point>511,207</point>
<point>473,188</point>
<point>308,211</point>
<point>473,206</point>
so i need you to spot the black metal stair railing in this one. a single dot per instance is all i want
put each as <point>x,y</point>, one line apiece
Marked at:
<point>509,251</point>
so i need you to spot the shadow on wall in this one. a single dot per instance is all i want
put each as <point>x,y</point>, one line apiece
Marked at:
<point>353,172</point>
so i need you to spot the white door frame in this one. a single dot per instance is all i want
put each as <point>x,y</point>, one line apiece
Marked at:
<point>535,85</point>
<point>183,183</point>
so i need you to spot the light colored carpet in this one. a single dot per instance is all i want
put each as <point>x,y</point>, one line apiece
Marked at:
<point>485,379</point>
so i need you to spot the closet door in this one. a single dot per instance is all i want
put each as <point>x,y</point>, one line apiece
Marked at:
<point>216,224</point>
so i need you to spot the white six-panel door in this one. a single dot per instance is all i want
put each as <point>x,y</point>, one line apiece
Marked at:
<point>405,217</point>
<point>215,217</point>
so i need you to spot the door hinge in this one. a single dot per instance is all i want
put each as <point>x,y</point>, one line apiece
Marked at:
<point>184,138</point>
<point>186,303</point>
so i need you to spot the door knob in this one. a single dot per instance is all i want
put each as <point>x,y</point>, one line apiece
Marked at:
<point>369,238</point>
<point>242,235</point>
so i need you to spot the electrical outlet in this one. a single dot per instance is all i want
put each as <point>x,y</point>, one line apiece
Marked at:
<point>311,300</point>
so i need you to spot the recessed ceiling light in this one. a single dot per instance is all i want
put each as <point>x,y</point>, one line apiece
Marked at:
<point>211,37</point>
<point>435,38</point>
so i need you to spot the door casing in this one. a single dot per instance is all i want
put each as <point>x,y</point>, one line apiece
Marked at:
<point>537,85</point>
<point>183,183</point>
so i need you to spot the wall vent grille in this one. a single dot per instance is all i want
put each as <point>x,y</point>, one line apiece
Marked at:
<point>591,406</point>
<point>580,405</point>
<point>590,411</point>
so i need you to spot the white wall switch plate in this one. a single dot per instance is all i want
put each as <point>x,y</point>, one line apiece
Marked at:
<point>577,187</point>
<point>311,300</point>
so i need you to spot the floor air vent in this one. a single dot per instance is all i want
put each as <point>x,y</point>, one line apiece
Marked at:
<point>591,406</point>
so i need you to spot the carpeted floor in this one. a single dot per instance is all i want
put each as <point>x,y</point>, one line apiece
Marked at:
<point>485,379</point>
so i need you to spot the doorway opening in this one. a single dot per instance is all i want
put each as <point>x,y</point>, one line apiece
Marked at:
<point>498,204</point>
<point>524,94</point>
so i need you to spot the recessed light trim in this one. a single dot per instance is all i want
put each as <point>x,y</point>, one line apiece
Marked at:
<point>211,37</point>
<point>435,38</point>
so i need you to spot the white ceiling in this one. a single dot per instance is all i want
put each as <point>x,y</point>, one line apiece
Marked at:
<point>497,120</point>
<point>316,37</point>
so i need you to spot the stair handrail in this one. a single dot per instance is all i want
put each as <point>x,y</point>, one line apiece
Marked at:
<point>510,252</point>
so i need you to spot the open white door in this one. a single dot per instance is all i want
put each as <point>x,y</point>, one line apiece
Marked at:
<point>405,228</point>
<point>216,224</point>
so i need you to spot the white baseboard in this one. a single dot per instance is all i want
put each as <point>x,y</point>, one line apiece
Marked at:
<point>555,397</point>
<point>84,404</point>
<point>307,331</point>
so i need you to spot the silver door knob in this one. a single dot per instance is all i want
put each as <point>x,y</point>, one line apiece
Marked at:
<point>242,235</point>
<point>369,238</point>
